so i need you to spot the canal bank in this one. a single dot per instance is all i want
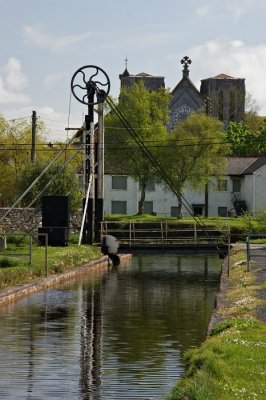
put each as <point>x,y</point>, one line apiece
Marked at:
<point>15,293</point>
<point>231,361</point>
<point>242,293</point>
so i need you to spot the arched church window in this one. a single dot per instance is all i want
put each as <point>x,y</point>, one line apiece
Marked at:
<point>232,107</point>
<point>221,106</point>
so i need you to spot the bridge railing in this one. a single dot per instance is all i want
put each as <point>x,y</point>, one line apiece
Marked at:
<point>162,233</point>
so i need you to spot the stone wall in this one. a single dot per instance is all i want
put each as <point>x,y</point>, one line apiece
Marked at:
<point>29,219</point>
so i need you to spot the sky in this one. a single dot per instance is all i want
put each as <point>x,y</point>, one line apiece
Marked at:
<point>43,43</point>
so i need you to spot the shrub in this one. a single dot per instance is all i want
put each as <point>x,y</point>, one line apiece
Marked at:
<point>6,262</point>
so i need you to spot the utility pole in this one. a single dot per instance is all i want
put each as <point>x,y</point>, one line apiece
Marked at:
<point>33,136</point>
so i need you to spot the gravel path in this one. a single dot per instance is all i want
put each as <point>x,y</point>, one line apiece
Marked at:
<point>258,265</point>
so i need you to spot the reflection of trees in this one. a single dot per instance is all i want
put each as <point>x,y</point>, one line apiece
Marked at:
<point>36,331</point>
<point>154,305</point>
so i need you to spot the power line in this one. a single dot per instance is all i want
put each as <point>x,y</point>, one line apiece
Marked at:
<point>191,141</point>
<point>17,119</point>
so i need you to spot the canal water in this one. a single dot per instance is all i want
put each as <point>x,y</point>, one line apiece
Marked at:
<point>117,333</point>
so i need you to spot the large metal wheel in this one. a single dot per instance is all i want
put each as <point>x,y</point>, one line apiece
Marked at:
<point>90,85</point>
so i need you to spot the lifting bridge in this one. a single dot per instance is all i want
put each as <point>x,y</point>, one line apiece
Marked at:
<point>167,237</point>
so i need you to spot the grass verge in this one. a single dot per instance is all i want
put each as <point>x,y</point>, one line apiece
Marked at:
<point>242,224</point>
<point>230,364</point>
<point>17,270</point>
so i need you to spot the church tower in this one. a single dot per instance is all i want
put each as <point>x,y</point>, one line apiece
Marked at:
<point>227,97</point>
<point>151,82</point>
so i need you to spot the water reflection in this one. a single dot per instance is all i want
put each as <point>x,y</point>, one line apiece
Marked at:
<point>91,343</point>
<point>117,334</point>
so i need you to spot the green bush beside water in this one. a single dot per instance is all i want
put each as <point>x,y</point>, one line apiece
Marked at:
<point>6,262</point>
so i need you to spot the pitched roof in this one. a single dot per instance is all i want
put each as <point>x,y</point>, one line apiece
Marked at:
<point>245,165</point>
<point>185,79</point>
<point>222,76</point>
<point>237,166</point>
<point>145,75</point>
<point>124,74</point>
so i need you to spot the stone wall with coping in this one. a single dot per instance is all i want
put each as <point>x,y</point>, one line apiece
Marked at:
<point>29,219</point>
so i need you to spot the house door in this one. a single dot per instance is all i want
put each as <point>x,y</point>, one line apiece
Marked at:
<point>198,210</point>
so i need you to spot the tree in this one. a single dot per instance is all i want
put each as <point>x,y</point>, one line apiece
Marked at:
<point>15,154</point>
<point>251,118</point>
<point>194,152</point>
<point>244,141</point>
<point>148,113</point>
<point>62,183</point>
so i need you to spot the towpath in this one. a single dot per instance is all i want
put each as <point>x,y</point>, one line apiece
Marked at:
<point>224,309</point>
<point>258,265</point>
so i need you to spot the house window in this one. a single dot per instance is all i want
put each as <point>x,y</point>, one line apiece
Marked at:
<point>119,207</point>
<point>222,211</point>
<point>150,187</point>
<point>148,207</point>
<point>119,182</point>
<point>222,185</point>
<point>236,185</point>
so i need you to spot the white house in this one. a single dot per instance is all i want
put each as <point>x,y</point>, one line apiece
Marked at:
<point>242,188</point>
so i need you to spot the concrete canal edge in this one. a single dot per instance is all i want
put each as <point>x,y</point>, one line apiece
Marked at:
<point>221,297</point>
<point>15,293</point>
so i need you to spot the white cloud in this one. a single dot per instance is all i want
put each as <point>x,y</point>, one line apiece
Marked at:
<point>14,77</point>
<point>55,121</point>
<point>237,59</point>
<point>36,35</point>
<point>12,81</point>
<point>237,43</point>
<point>240,7</point>
<point>235,9</point>
<point>202,11</point>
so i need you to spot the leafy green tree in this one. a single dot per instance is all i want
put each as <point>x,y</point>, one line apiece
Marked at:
<point>148,113</point>
<point>251,118</point>
<point>57,180</point>
<point>244,141</point>
<point>194,152</point>
<point>15,154</point>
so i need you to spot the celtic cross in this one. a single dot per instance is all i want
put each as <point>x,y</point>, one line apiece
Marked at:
<point>186,61</point>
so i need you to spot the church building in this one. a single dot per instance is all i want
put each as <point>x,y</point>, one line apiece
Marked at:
<point>221,96</point>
